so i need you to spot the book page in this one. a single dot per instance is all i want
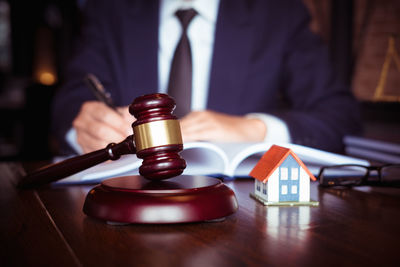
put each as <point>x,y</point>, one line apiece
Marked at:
<point>238,152</point>
<point>244,156</point>
<point>320,157</point>
<point>126,165</point>
<point>204,158</point>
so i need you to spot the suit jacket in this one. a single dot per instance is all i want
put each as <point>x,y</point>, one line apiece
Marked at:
<point>264,55</point>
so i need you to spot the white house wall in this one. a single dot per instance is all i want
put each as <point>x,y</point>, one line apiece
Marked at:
<point>257,183</point>
<point>273,186</point>
<point>304,186</point>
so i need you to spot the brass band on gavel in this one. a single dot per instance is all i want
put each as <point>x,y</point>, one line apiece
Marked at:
<point>157,133</point>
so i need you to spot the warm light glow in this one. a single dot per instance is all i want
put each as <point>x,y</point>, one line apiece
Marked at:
<point>47,78</point>
<point>162,213</point>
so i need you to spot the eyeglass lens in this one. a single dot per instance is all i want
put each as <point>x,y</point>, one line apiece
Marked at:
<point>390,173</point>
<point>342,175</point>
<point>356,175</point>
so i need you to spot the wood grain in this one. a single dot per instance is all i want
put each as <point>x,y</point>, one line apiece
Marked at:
<point>29,236</point>
<point>350,227</point>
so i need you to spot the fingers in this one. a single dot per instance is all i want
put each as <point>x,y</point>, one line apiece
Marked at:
<point>88,143</point>
<point>97,125</point>
<point>197,126</point>
<point>206,126</point>
<point>129,118</point>
<point>192,126</point>
<point>218,127</point>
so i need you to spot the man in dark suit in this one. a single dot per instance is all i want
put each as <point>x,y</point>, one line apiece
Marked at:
<point>262,54</point>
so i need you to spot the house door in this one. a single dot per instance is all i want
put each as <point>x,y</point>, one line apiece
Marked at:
<point>289,177</point>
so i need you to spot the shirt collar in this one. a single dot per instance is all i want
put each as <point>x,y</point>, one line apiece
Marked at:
<point>208,9</point>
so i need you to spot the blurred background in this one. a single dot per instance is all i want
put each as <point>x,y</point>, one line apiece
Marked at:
<point>36,39</point>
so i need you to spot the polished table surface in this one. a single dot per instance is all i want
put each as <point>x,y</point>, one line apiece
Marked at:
<point>350,227</point>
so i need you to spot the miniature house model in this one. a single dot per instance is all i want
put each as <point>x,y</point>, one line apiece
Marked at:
<point>282,178</point>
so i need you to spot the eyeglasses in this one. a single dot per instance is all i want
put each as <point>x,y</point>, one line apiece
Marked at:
<point>351,175</point>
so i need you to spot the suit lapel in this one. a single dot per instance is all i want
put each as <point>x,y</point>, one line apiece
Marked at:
<point>141,44</point>
<point>232,48</point>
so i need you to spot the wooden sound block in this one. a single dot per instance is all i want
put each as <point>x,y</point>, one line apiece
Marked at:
<point>182,199</point>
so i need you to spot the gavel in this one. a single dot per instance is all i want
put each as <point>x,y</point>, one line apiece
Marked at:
<point>156,139</point>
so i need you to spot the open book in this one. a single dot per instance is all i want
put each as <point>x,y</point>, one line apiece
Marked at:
<point>217,159</point>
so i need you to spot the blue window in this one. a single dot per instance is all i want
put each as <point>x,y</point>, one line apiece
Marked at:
<point>289,182</point>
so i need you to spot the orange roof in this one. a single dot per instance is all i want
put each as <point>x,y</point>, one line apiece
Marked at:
<point>271,160</point>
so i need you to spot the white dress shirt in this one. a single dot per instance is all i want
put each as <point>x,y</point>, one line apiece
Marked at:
<point>201,34</point>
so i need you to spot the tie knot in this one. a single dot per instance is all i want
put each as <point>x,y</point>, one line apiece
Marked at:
<point>185,16</point>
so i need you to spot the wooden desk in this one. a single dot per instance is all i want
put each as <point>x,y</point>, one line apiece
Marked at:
<point>46,227</point>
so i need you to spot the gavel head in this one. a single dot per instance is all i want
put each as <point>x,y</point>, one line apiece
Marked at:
<point>157,136</point>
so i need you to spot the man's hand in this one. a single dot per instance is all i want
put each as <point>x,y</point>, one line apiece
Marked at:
<point>97,125</point>
<point>218,127</point>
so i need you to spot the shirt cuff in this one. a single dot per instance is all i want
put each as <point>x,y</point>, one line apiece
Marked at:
<point>277,129</point>
<point>70,137</point>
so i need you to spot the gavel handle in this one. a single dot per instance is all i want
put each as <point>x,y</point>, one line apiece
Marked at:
<point>57,171</point>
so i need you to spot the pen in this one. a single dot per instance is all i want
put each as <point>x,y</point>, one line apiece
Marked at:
<point>99,91</point>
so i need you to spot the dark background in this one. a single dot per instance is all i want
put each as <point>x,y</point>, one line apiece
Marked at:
<point>41,40</point>
<point>36,37</point>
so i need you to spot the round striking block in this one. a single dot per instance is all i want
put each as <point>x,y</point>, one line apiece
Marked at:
<point>182,199</point>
